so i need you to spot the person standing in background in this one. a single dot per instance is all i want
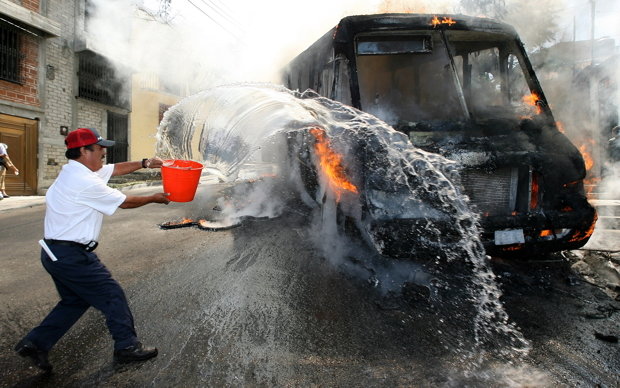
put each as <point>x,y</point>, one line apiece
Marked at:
<point>5,163</point>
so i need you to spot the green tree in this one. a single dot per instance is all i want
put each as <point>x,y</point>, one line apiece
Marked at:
<point>534,20</point>
<point>495,9</point>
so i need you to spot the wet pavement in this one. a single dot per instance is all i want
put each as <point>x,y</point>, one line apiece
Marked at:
<point>256,305</point>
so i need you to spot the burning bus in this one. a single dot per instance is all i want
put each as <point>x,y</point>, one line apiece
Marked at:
<point>462,87</point>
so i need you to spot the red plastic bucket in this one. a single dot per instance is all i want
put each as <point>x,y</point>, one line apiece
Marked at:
<point>180,179</point>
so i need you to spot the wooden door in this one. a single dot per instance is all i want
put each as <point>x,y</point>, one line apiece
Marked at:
<point>21,135</point>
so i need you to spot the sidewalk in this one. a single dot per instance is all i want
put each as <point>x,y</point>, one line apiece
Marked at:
<point>17,202</point>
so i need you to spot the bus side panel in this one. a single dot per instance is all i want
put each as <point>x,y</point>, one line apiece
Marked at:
<point>304,71</point>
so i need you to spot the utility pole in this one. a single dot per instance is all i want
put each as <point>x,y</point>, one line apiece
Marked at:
<point>574,43</point>
<point>593,17</point>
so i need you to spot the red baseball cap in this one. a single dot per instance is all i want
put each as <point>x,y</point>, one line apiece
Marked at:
<point>86,136</point>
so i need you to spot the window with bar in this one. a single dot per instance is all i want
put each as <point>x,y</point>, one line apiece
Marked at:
<point>10,53</point>
<point>117,131</point>
<point>97,81</point>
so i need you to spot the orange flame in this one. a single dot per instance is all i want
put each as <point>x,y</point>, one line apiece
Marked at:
<point>513,248</point>
<point>546,233</point>
<point>587,158</point>
<point>560,127</point>
<point>532,100</point>
<point>571,184</point>
<point>591,181</point>
<point>445,20</point>
<point>534,192</point>
<point>581,235</point>
<point>331,164</point>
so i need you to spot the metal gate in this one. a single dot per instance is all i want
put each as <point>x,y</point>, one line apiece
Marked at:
<point>117,131</point>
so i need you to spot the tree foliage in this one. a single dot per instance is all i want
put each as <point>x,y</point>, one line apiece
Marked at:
<point>495,9</point>
<point>534,20</point>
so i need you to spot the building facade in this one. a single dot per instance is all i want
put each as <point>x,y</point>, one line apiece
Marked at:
<point>52,81</point>
<point>27,33</point>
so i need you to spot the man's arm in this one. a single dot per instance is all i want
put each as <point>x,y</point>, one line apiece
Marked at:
<point>133,201</point>
<point>123,168</point>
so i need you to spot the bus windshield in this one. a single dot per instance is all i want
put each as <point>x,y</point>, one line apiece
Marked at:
<point>412,78</point>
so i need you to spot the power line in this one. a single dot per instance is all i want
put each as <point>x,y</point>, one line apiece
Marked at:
<point>221,12</point>
<point>215,21</point>
<point>225,8</point>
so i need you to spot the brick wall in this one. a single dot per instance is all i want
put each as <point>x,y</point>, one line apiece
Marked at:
<point>27,92</point>
<point>32,5</point>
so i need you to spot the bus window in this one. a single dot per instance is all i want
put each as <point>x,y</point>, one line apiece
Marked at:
<point>486,81</point>
<point>393,44</point>
<point>408,87</point>
<point>491,92</point>
<point>518,87</point>
<point>403,82</point>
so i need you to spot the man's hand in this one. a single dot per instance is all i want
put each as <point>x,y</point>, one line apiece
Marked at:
<point>154,163</point>
<point>161,198</point>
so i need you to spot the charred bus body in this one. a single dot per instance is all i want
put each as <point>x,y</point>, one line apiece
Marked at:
<point>464,88</point>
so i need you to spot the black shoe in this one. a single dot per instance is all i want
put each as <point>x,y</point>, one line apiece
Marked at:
<point>137,352</point>
<point>26,348</point>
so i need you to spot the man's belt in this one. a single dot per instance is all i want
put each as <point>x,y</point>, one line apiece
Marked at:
<point>91,246</point>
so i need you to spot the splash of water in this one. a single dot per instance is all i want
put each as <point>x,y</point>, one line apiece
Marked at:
<point>408,200</point>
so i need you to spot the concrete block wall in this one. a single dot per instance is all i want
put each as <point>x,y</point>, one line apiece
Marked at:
<point>62,107</point>
<point>55,160</point>
<point>58,95</point>
<point>92,115</point>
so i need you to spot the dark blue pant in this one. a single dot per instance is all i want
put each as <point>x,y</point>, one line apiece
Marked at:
<point>83,281</point>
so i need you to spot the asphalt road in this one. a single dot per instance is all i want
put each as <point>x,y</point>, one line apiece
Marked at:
<point>257,305</point>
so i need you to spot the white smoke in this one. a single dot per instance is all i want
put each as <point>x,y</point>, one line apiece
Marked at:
<point>209,43</point>
<point>204,46</point>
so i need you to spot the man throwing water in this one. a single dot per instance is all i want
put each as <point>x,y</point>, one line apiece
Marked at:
<point>76,203</point>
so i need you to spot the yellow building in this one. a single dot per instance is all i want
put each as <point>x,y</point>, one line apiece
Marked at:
<point>149,100</point>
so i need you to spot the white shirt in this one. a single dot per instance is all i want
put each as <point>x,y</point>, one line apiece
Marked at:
<point>77,201</point>
<point>2,152</point>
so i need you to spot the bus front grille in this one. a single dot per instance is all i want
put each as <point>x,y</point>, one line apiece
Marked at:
<point>493,192</point>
